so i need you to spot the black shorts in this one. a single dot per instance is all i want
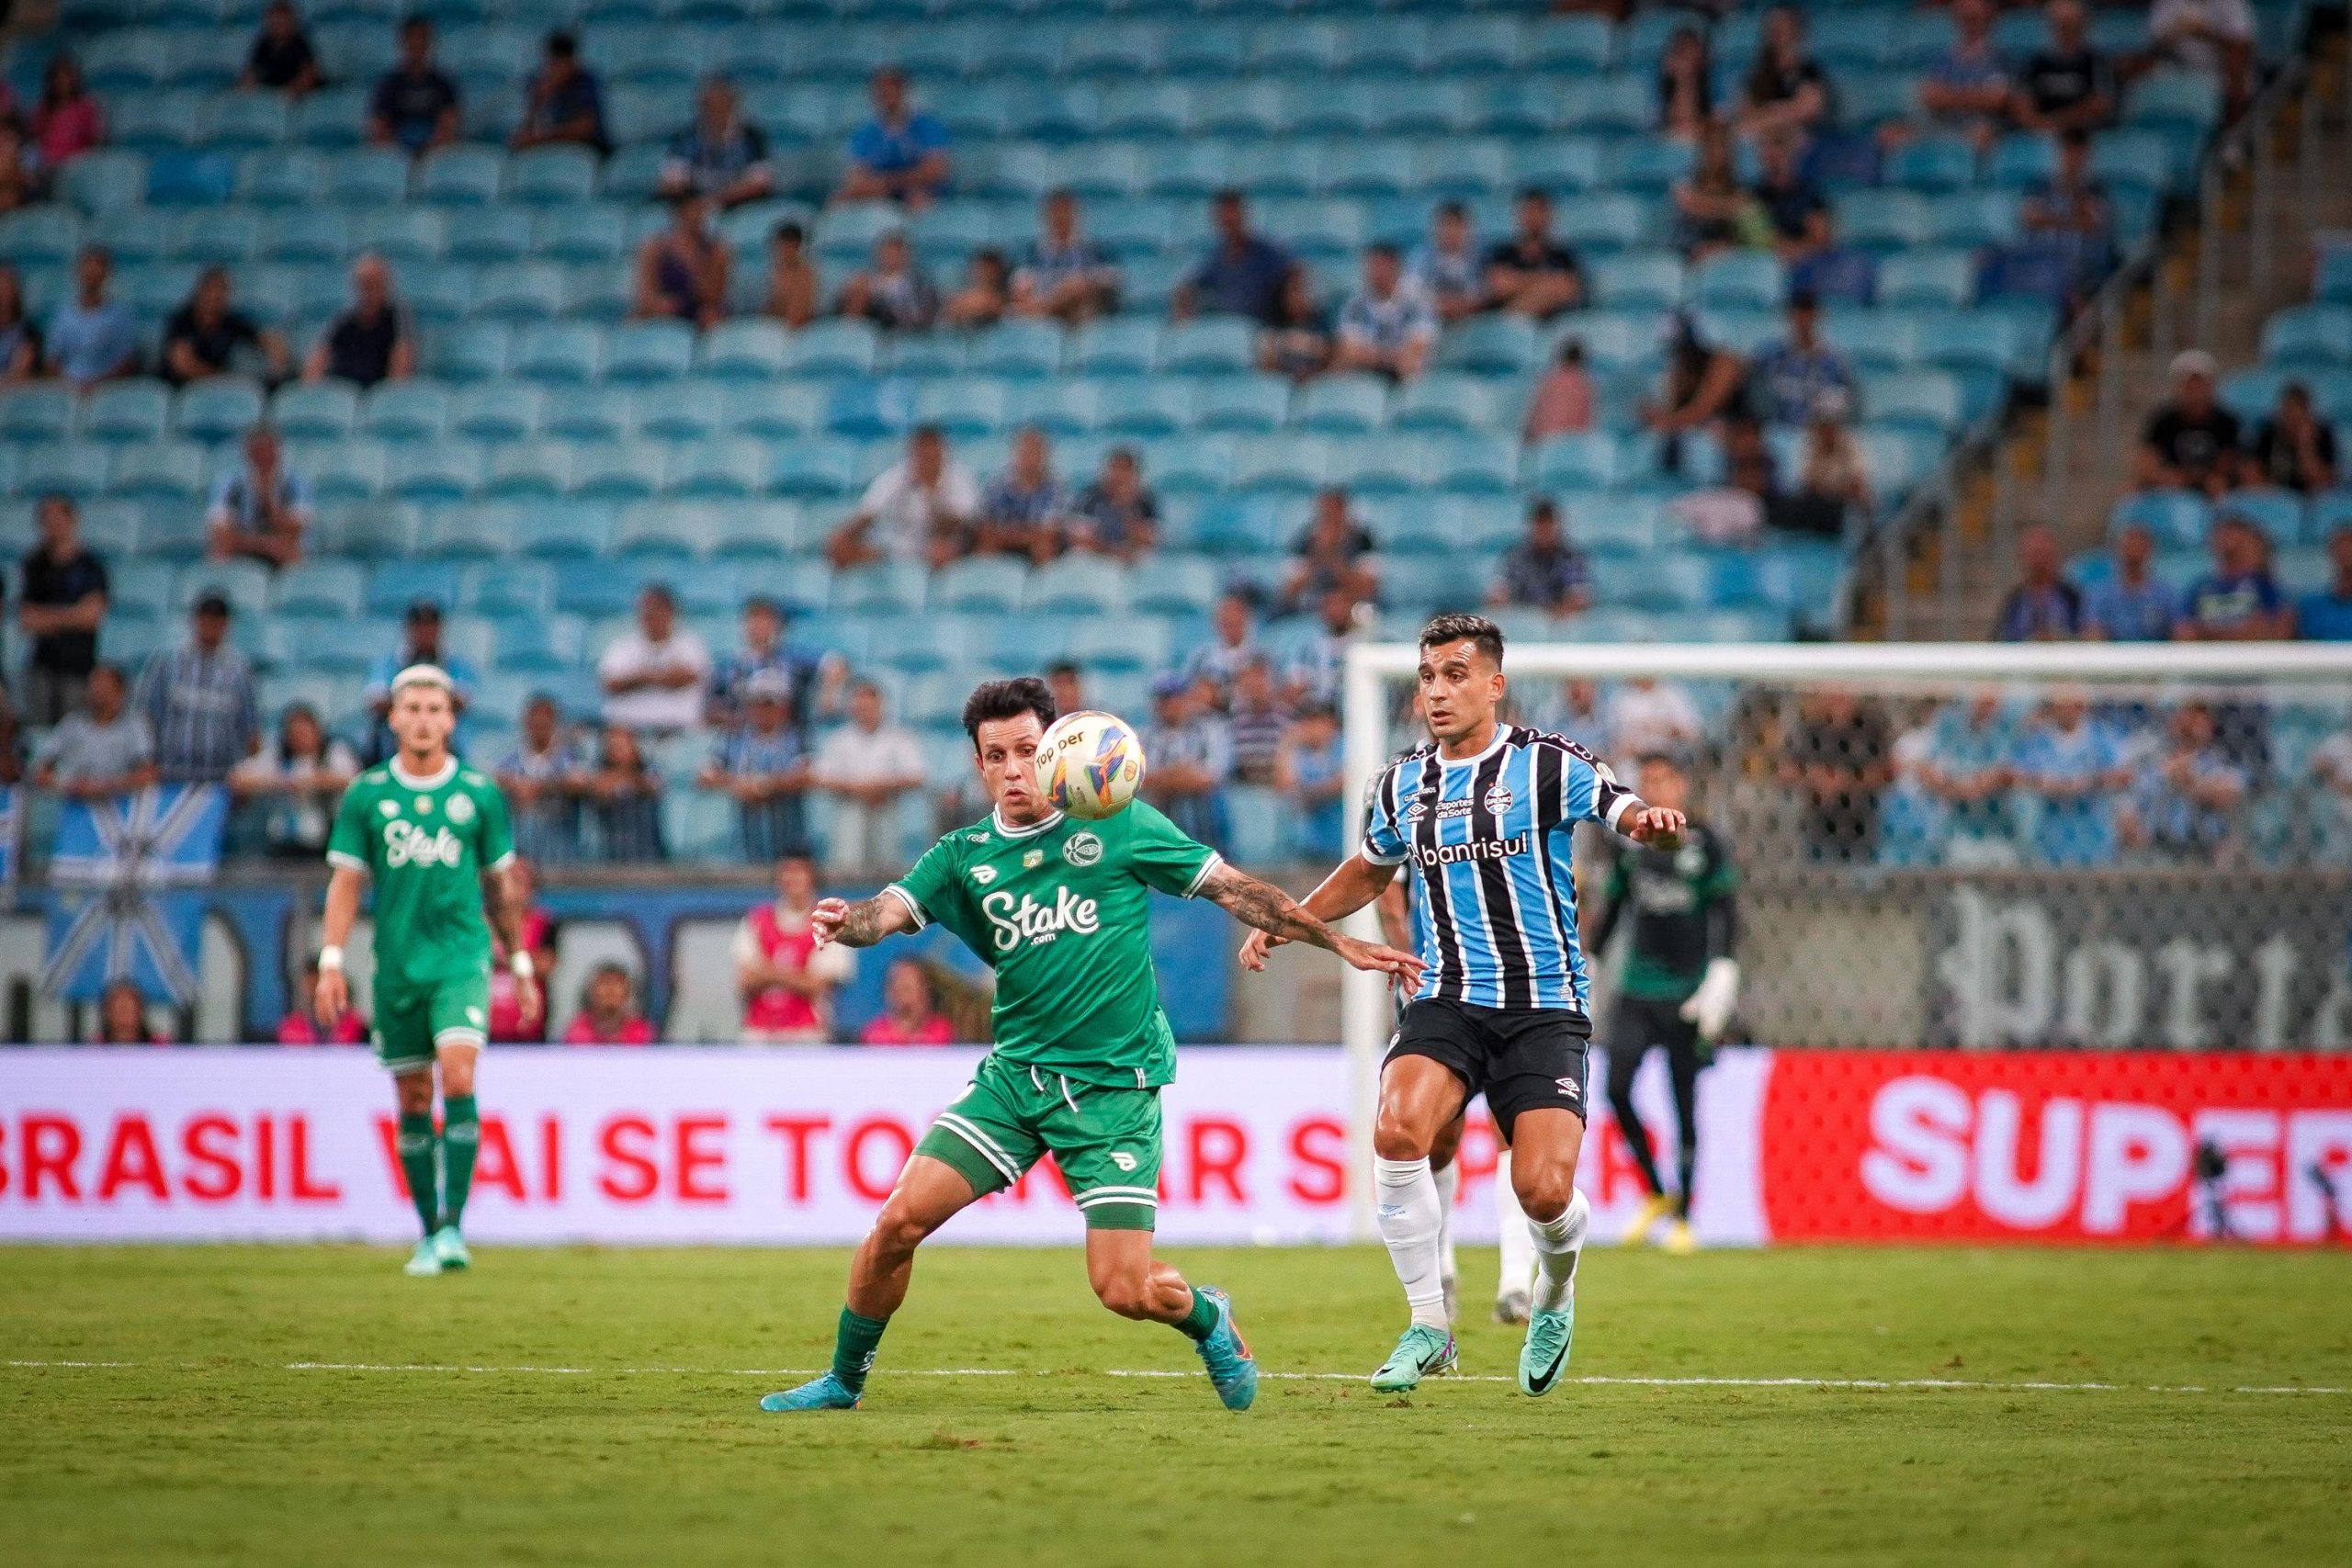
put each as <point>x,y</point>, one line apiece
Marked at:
<point>1636,1023</point>
<point>1520,1058</point>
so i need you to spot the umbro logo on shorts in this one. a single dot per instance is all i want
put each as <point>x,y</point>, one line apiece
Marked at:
<point>1567,1087</point>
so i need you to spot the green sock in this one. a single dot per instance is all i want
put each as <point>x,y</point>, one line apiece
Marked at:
<point>853,1344</point>
<point>1201,1322</point>
<point>415,1146</point>
<point>460,1137</point>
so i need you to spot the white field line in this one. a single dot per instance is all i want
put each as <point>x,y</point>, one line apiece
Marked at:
<point>1859,1384</point>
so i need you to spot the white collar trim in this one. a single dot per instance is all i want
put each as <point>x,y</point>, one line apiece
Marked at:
<point>1006,829</point>
<point>1502,734</point>
<point>406,780</point>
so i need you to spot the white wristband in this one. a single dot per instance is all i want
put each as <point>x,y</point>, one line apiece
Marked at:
<point>330,957</point>
<point>520,965</point>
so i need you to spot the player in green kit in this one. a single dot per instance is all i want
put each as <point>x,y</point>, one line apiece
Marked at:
<point>432,836</point>
<point>1059,907</point>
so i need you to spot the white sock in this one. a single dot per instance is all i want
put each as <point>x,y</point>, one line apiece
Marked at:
<point>1518,1271</point>
<point>1449,1182</point>
<point>1557,1247</point>
<point>1405,1202</point>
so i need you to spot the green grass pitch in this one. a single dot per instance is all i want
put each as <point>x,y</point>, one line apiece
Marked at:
<point>202,1437</point>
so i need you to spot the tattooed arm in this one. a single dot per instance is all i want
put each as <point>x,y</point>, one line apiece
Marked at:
<point>861,924</point>
<point>1275,912</point>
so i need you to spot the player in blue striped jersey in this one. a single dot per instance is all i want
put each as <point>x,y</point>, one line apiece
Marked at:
<point>1483,816</point>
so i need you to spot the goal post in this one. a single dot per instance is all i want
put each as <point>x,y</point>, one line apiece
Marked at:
<point>1928,929</point>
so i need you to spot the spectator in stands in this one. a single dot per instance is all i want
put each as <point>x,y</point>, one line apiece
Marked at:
<point>281,59</point>
<point>1025,512</point>
<point>1649,717</point>
<point>22,180</point>
<point>2191,442</point>
<point>67,121</point>
<point>1066,681</point>
<point>763,762</point>
<point>414,104</point>
<point>1543,571</point>
<point>303,1026</point>
<point>1837,761</point>
<point>260,509</point>
<point>609,1014</point>
<point>122,1016</point>
<point>892,292</point>
<point>796,293</point>
<point>1833,484</point>
<point>1310,772</point>
<point>815,684</point>
<point>2210,38</point>
<point>2295,450</point>
<point>2065,86</point>
<point>1800,376</point>
<point>916,512</point>
<point>295,781</point>
<point>786,981</point>
<point>1255,719</point>
<point>2332,803</point>
<point>1701,380</point>
<point>1388,327</point>
<point>1232,643</point>
<point>1562,403</point>
<point>1713,212</point>
<point>541,778</point>
<point>92,338</point>
<point>2072,765</point>
<point>899,155</point>
<point>1117,515</point>
<point>2043,606</point>
<point>1242,276</point>
<point>539,934</point>
<point>1192,757</point>
<point>2240,599</point>
<point>1532,273</point>
<point>62,605</point>
<point>909,1014</point>
<point>1734,511</point>
<point>987,293</point>
<point>655,674</point>
<point>1331,553</point>
<point>1573,710</point>
<point>1965,90</point>
<point>1686,88</point>
<point>2131,603</point>
<point>1448,268</point>
<point>2325,614</point>
<point>205,334</point>
<point>1065,276</point>
<point>1318,665</point>
<point>1796,214</point>
<point>99,752</point>
<point>2069,214</point>
<point>721,155</point>
<point>624,796</point>
<point>1967,769</point>
<point>199,700</point>
<point>370,342</point>
<point>1297,343</point>
<point>2185,793</point>
<point>20,355</point>
<point>564,105</point>
<point>869,766</point>
<point>681,271</point>
<point>420,644</point>
<point>1786,90</point>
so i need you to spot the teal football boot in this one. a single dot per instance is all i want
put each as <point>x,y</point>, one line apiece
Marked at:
<point>1422,1353</point>
<point>1545,1355</point>
<point>826,1392</point>
<point>1226,1356</point>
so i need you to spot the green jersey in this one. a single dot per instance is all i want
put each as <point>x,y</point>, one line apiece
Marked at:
<point>1061,910</point>
<point>425,844</point>
<point>1679,902</point>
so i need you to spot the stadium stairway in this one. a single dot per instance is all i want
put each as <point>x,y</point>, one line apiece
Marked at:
<point>1953,578</point>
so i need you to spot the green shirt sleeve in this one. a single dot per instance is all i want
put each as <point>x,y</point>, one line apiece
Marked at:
<point>930,884</point>
<point>497,844</point>
<point>1723,877</point>
<point>347,843</point>
<point>1162,856</point>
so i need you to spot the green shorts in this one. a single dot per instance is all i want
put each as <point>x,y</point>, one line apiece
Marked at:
<point>1106,1141</point>
<point>414,1022</point>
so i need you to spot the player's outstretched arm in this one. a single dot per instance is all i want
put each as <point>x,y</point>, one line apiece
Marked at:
<point>861,924</point>
<point>1275,912</point>
<point>1355,883</point>
<point>1657,826</point>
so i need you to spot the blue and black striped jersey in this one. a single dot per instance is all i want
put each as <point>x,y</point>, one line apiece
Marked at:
<point>1488,840</point>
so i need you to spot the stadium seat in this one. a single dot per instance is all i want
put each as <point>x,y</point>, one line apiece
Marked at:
<point>735,467</point>
<point>747,351</point>
<point>1216,346</point>
<point>560,352</point>
<point>121,411</point>
<point>644,352</point>
<point>1078,585</point>
<point>543,177</point>
<point>1240,402</point>
<point>36,414</point>
<point>406,410</point>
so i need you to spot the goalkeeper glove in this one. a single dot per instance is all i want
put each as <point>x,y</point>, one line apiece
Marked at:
<point>1710,1007</point>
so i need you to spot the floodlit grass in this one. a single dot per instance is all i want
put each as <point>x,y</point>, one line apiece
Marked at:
<point>212,1444</point>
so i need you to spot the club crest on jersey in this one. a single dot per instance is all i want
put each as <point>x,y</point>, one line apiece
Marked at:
<point>1083,849</point>
<point>1033,860</point>
<point>424,804</point>
<point>389,807</point>
<point>1689,860</point>
<point>1499,799</point>
<point>976,838</point>
<point>983,875</point>
<point>461,808</point>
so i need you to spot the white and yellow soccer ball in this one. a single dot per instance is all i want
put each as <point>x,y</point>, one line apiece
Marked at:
<point>1090,764</point>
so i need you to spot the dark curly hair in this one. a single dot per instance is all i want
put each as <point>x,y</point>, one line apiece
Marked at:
<point>994,700</point>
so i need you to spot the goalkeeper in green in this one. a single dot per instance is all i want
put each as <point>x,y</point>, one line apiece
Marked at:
<point>1061,908</point>
<point>432,836</point>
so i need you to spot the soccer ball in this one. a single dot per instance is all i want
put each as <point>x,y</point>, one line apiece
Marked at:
<point>1090,764</point>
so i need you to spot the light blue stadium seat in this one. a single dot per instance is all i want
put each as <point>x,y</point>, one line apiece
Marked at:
<point>1637,280</point>
<point>1217,346</point>
<point>644,352</point>
<point>596,589</point>
<point>371,176</point>
<point>40,236</point>
<point>158,121</point>
<point>889,589</point>
<point>1148,108</point>
<point>1932,164</point>
<point>235,122</point>
<point>734,469</point>
<point>519,291</point>
<point>1283,463</point>
<point>751,531</point>
<point>542,176</point>
<point>1973,218</point>
<point>535,644</point>
<point>36,414</point>
<point>2309,337</point>
<point>2139,159</point>
<point>927,355</point>
<point>112,528</point>
<point>744,351</point>
<point>1443,400</point>
<point>509,589</point>
<point>406,410</point>
<point>1116,347</point>
<point>519,470</point>
<point>1078,585</point>
<point>2178,101</point>
<point>591,413</point>
<point>1875,340</point>
<point>1017,348</point>
<point>832,348</point>
<point>103,180</point>
<point>432,470</point>
<point>617,470</point>
<point>1621,104</point>
<point>317,590</point>
<point>497,410</point>
<point>1883,221</point>
<point>578,233</point>
<point>1586,461</point>
<point>2279,513</point>
<point>1067,407</point>
<point>160,471</point>
<point>1192,462</point>
<point>1134,406</point>
<point>816,469</point>
<point>1341,404</point>
<point>368,530</point>
<point>1240,402</point>
<point>1737,280</point>
<point>1490,344</point>
<point>2021,161</point>
<point>487,234</point>
<point>753,408</point>
<point>1928,278</point>
<point>395,585</point>
<point>2177,518</point>
<point>564,531</point>
<point>307,235</point>
<point>1917,400</point>
<point>560,352</point>
<point>1473,464</point>
<point>1173,585</point>
<point>223,236</point>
